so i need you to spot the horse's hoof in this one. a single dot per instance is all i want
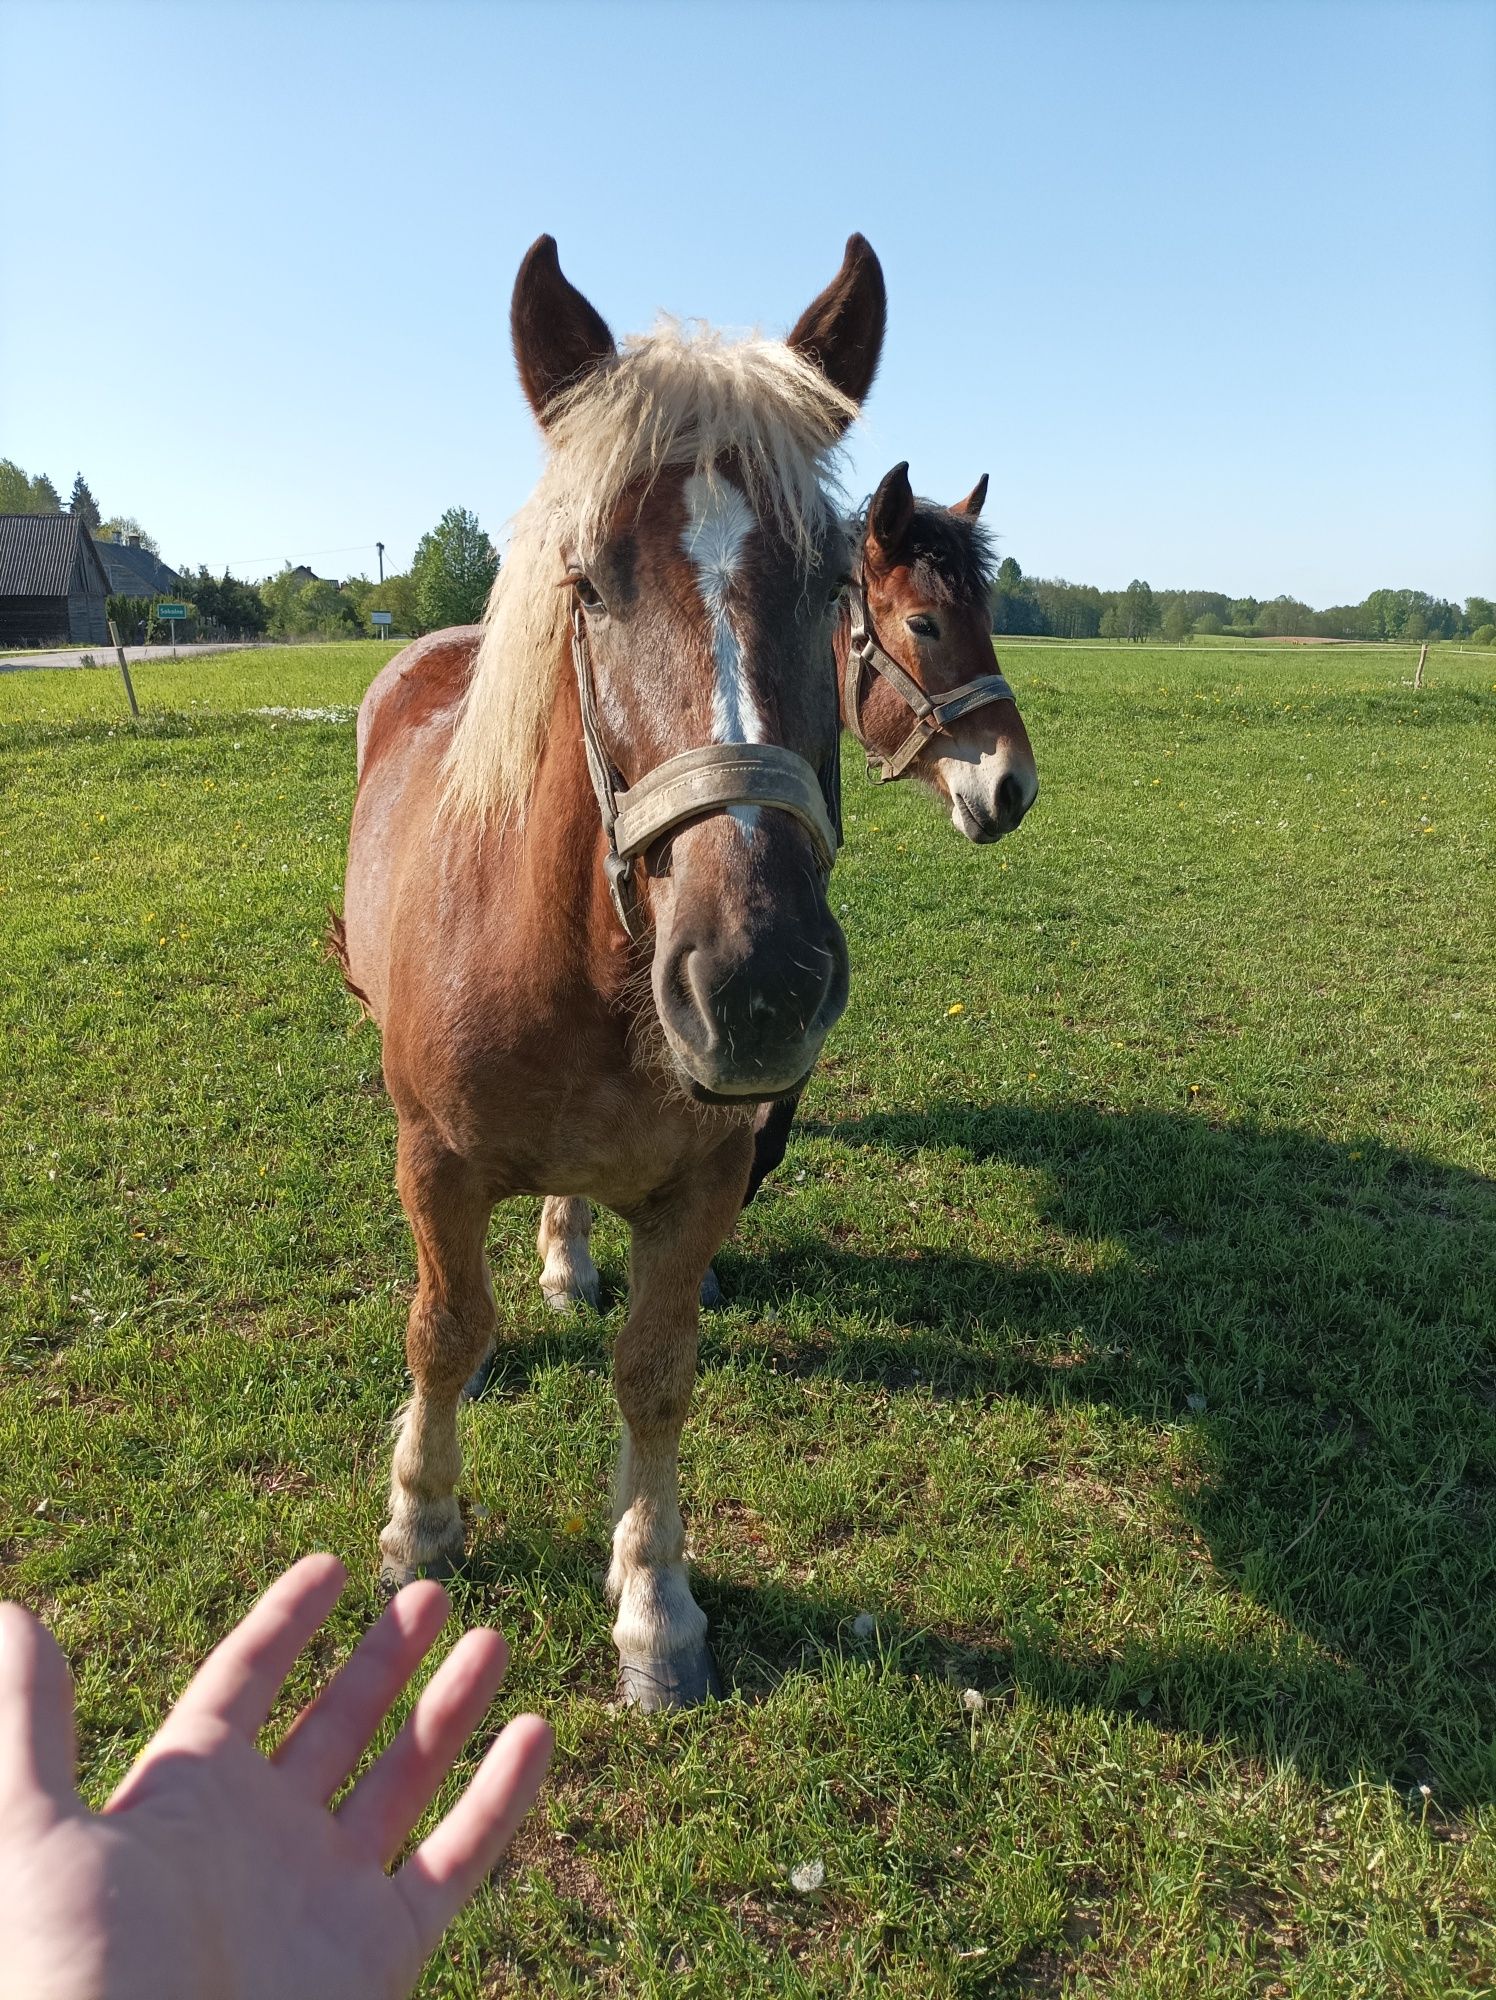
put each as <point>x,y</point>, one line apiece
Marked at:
<point>711,1289</point>
<point>566,1298</point>
<point>480,1378</point>
<point>394,1576</point>
<point>683,1681</point>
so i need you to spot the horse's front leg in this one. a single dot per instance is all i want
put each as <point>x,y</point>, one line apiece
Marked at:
<point>771,1135</point>
<point>450,1329</point>
<point>660,1630</point>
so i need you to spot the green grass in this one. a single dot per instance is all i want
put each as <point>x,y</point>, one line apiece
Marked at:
<point>1119,1346</point>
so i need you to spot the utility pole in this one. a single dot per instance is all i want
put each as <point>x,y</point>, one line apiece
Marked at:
<point>380,547</point>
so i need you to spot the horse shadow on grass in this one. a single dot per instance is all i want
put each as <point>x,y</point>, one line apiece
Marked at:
<point>1321,1315</point>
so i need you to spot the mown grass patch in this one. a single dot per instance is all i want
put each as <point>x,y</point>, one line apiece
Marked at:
<point>1115,1344</point>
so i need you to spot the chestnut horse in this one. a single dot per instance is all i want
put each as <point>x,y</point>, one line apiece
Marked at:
<point>586,898</point>
<point>915,678</point>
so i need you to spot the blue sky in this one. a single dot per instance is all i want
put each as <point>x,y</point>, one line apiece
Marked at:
<point>1209,289</point>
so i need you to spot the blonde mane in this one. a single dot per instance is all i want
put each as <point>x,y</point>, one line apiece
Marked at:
<point>674,397</point>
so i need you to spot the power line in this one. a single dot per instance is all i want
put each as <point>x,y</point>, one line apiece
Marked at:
<point>300,555</point>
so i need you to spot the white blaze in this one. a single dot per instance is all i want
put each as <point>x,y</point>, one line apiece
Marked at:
<point>718,523</point>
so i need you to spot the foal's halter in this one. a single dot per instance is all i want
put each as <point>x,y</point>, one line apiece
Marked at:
<point>931,718</point>
<point>695,782</point>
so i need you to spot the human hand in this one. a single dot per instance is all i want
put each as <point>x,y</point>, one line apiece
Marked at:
<point>217,1874</point>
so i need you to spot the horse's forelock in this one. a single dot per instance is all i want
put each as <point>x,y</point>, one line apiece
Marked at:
<point>952,558</point>
<point>681,398</point>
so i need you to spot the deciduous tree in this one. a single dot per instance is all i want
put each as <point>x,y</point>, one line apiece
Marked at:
<point>454,569</point>
<point>1176,625</point>
<point>1137,613</point>
<point>120,527</point>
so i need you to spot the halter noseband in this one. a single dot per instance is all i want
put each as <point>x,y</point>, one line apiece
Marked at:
<point>930,717</point>
<point>706,780</point>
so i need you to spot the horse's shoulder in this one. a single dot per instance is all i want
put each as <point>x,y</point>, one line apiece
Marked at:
<point>425,677</point>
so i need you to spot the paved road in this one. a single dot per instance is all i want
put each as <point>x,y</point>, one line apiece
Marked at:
<point>103,656</point>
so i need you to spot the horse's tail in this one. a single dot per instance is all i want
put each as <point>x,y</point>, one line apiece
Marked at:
<point>336,942</point>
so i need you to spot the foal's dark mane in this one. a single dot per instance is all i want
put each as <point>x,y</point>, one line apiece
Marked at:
<point>951,557</point>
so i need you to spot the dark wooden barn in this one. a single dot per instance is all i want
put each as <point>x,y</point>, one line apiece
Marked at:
<point>52,584</point>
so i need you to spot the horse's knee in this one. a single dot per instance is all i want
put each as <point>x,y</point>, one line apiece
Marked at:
<point>444,1344</point>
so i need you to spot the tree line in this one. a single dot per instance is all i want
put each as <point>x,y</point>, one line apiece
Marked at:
<point>1049,607</point>
<point>455,564</point>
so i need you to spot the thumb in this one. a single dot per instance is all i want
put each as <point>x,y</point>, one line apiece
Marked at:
<point>37,1747</point>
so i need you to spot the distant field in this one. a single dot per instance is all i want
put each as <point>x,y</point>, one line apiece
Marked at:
<point>1118,1337</point>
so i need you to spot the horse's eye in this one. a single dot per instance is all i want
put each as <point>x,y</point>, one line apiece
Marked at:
<point>923,627</point>
<point>582,585</point>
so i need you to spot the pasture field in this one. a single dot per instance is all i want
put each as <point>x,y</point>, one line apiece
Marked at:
<point>1116,1343</point>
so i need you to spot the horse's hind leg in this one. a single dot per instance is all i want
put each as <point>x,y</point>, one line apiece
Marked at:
<point>568,1273</point>
<point>451,1325</point>
<point>660,1630</point>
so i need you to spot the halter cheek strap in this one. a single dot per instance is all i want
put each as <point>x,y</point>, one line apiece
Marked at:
<point>931,718</point>
<point>706,780</point>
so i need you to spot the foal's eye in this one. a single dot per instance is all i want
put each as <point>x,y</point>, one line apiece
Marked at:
<point>923,627</point>
<point>839,590</point>
<point>582,585</point>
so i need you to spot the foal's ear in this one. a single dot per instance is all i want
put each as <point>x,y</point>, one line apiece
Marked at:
<point>842,330</point>
<point>971,506</point>
<point>890,516</point>
<point>558,336</point>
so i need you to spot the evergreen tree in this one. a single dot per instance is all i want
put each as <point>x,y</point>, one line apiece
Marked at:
<point>84,505</point>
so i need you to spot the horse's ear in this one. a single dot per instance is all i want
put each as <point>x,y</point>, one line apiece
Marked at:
<point>890,516</point>
<point>558,335</point>
<point>842,330</point>
<point>971,506</point>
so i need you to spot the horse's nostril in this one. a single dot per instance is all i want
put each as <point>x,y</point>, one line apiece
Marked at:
<point>1010,803</point>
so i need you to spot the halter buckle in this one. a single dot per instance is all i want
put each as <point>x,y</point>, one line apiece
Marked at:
<point>620,879</point>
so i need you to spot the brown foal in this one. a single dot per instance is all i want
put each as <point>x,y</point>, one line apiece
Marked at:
<point>564,1009</point>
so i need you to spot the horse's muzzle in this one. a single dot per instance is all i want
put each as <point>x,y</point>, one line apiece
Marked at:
<point>747,1025</point>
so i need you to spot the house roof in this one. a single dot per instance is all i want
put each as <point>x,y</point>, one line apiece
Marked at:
<point>135,572</point>
<point>39,553</point>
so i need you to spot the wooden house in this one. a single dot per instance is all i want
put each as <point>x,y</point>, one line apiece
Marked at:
<point>52,584</point>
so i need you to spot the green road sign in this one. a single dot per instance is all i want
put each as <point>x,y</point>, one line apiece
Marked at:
<point>171,611</point>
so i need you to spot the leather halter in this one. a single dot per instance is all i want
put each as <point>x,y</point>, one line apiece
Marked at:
<point>695,782</point>
<point>931,718</point>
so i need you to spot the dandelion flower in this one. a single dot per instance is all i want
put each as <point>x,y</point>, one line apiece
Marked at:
<point>956,1007</point>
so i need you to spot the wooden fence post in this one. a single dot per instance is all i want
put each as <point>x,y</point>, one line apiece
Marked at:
<point>1418,670</point>
<point>119,653</point>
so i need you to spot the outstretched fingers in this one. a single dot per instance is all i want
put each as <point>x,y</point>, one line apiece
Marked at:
<point>37,1742</point>
<point>327,1739</point>
<point>385,1804</point>
<point>450,1863</point>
